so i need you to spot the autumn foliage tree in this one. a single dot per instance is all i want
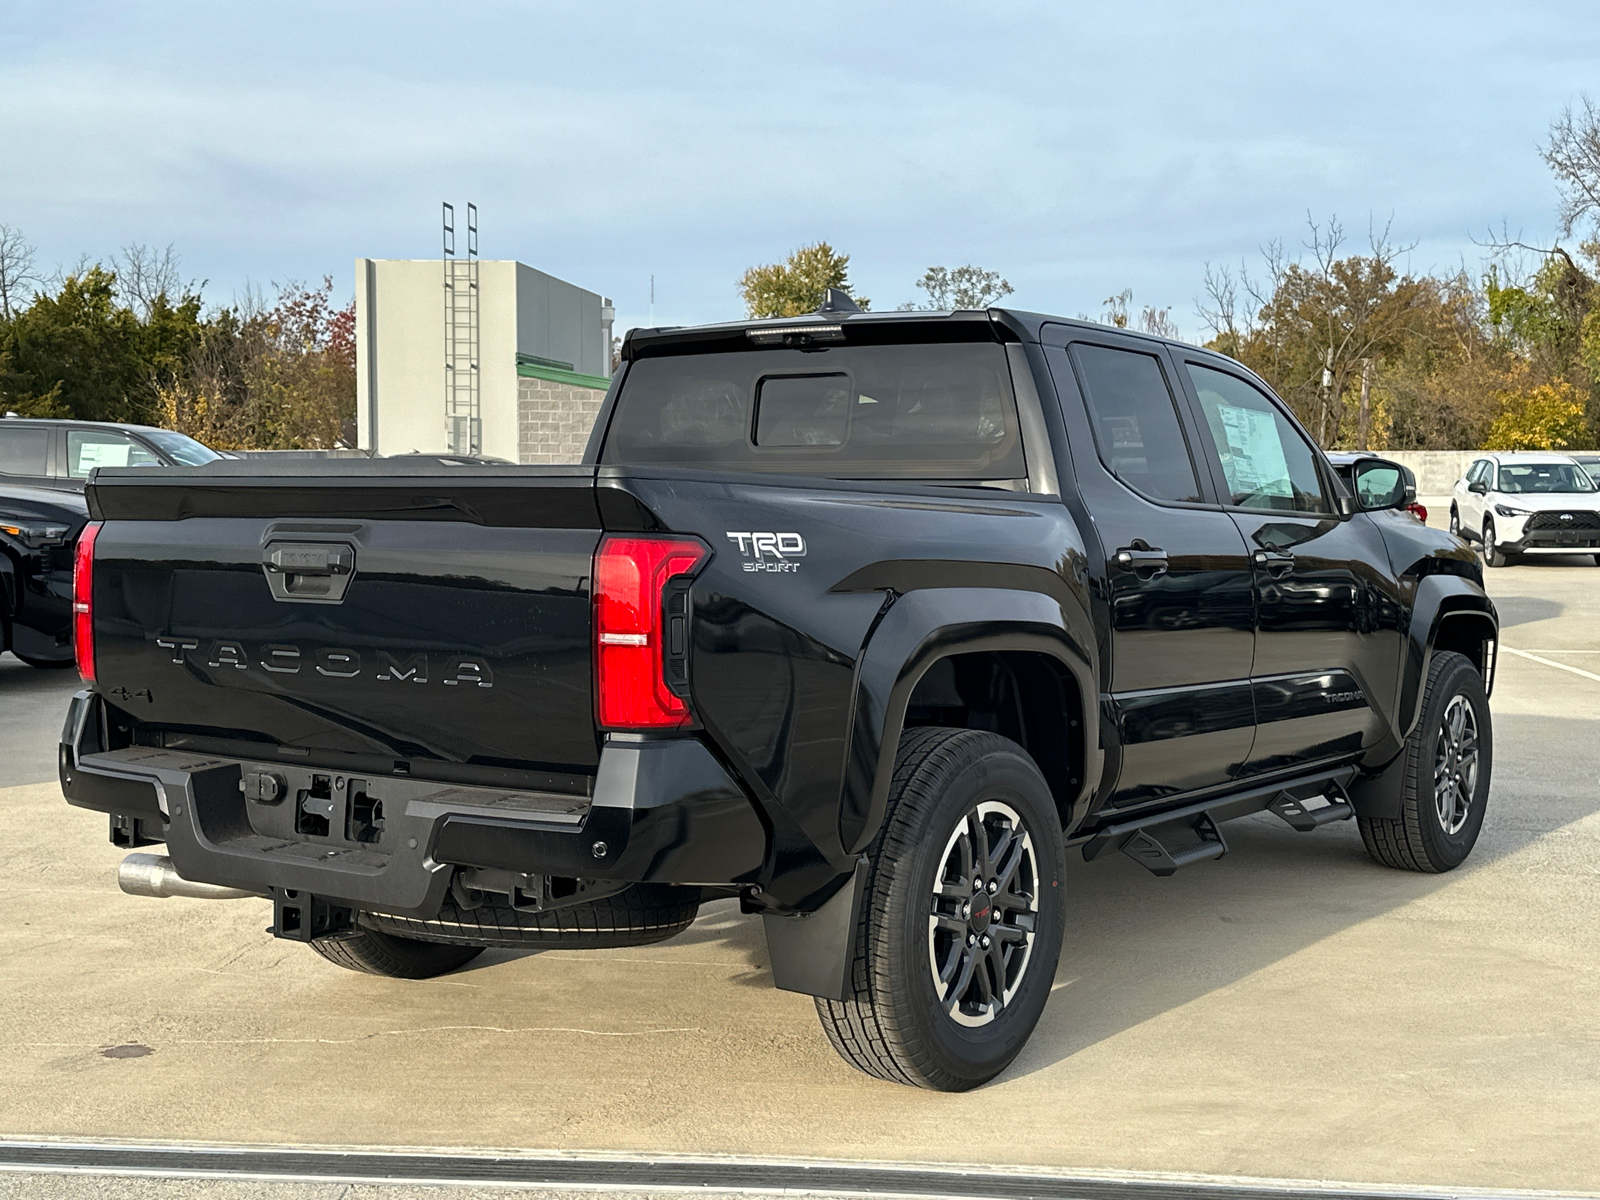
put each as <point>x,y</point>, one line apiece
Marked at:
<point>129,343</point>
<point>281,377</point>
<point>797,285</point>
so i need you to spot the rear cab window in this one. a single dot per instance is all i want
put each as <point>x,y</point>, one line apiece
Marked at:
<point>939,411</point>
<point>23,451</point>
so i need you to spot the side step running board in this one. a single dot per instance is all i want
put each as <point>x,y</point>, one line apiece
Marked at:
<point>1162,849</point>
<point>1163,842</point>
<point>1313,812</point>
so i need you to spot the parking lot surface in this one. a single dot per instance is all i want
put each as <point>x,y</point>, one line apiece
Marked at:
<point>1289,1011</point>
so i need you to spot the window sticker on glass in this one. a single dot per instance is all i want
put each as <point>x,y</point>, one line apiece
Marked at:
<point>102,454</point>
<point>1253,457</point>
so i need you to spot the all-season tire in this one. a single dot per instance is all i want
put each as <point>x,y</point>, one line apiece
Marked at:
<point>47,664</point>
<point>958,796</point>
<point>1455,521</point>
<point>642,914</point>
<point>377,953</point>
<point>1449,759</point>
<point>1492,556</point>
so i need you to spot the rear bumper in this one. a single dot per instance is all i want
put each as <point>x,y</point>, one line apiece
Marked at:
<point>663,810</point>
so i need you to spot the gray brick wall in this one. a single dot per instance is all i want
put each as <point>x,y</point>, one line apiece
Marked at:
<point>553,420</point>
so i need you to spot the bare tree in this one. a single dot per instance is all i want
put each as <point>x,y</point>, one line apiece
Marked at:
<point>1117,308</point>
<point>145,274</point>
<point>17,275</point>
<point>1573,154</point>
<point>1221,314</point>
<point>1158,321</point>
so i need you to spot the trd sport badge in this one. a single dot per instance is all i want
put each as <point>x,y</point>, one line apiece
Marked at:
<point>773,553</point>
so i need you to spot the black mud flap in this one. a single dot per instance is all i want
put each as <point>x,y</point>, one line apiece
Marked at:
<point>812,952</point>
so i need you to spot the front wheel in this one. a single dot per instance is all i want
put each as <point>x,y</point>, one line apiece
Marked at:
<point>1448,761</point>
<point>962,919</point>
<point>1491,549</point>
<point>1455,521</point>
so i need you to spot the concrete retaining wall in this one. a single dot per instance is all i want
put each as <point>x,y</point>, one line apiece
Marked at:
<point>1436,470</point>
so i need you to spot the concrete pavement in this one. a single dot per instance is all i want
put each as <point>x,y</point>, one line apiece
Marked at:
<point>33,704</point>
<point>1291,1011</point>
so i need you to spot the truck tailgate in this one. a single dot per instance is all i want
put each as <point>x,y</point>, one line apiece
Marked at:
<point>433,622</point>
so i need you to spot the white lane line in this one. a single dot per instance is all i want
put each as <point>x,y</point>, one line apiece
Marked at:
<point>1552,663</point>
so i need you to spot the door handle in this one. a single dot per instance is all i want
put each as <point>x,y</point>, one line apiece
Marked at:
<point>1276,563</point>
<point>1144,561</point>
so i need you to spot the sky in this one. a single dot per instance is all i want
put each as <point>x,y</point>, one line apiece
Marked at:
<point>1076,149</point>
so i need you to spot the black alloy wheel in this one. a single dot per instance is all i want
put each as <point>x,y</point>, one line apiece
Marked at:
<point>1449,759</point>
<point>961,924</point>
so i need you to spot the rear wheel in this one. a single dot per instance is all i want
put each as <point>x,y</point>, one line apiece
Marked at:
<point>1449,759</point>
<point>961,923</point>
<point>376,953</point>
<point>638,916</point>
<point>47,664</point>
<point>1491,549</point>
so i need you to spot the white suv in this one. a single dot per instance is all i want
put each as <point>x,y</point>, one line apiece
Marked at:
<point>1527,504</point>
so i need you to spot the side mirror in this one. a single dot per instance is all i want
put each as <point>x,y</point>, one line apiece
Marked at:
<point>1383,484</point>
<point>1479,486</point>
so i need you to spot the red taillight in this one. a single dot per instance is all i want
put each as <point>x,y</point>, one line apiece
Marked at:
<point>636,641</point>
<point>1418,511</point>
<point>83,600</point>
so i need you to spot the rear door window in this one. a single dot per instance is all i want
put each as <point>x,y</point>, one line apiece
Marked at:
<point>942,411</point>
<point>91,448</point>
<point>1136,425</point>
<point>23,451</point>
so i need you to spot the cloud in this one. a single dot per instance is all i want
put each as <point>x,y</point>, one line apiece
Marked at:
<point>1077,149</point>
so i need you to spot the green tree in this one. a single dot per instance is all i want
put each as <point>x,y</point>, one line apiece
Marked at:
<point>77,354</point>
<point>797,285</point>
<point>960,287</point>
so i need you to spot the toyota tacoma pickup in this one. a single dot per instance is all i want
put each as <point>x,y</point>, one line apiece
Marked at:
<point>866,620</point>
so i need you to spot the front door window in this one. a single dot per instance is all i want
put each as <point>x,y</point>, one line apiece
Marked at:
<point>91,448</point>
<point>1266,462</point>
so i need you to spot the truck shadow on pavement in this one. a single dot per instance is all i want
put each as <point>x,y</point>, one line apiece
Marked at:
<point>1138,946</point>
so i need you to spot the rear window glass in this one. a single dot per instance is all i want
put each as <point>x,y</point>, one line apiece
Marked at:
<point>941,411</point>
<point>22,451</point>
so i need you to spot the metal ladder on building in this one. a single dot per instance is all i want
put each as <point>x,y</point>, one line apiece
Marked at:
<point>462,418</point>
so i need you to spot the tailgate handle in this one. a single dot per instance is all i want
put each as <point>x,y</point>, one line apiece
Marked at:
<point>308,572</point>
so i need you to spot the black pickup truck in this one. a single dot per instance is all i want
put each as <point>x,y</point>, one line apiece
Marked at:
<point>863,619</point>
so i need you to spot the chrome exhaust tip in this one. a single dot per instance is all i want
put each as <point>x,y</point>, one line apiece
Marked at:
<point>154,875</point>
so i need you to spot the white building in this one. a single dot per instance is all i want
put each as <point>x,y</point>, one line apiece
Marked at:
<point>542,351</point>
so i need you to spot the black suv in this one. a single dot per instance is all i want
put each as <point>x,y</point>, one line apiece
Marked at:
<point>61,454</point>
<point>863,619</point>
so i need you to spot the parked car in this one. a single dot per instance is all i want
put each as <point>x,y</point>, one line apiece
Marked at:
<point>1590,463</point>
<point>38,529</point>
<point>1534,504</point>
<point>1345,464</point>
<point>864,619</point>
<point>60,454</point>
